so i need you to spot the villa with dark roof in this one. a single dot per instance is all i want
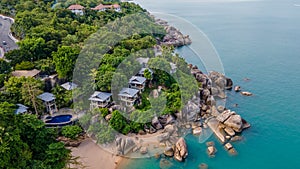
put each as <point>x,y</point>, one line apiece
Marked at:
<point>100,100</point>
<point>128,96</point>
<point>77,9</point>
<point>49,102</point>
<point>137,82</point>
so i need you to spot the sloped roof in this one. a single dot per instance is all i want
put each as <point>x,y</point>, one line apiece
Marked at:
<point>21,109</point>
<point>69,86</point>
<point>137,80</point>
<point>141,72</point>
<point>116,6</point>
<point>76,6</point>
<point>25,73</point>
<point>100,96</point>
<point>47,97</point>
<point>101,6</point>
<point>128,92</point>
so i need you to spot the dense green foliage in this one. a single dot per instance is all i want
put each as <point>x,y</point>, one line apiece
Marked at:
<point>26,143</point>
<point>71,132</point>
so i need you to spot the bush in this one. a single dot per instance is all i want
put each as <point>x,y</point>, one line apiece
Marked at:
<point>71,131</point>
<point>25,65</point>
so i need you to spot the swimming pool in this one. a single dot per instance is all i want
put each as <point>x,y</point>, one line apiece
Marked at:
<point>58,121</point>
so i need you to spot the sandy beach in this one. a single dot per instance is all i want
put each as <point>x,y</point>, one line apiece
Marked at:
<point>94,157</point>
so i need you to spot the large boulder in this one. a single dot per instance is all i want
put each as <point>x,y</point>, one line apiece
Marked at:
<point>156,124</point>
<point>181,151</point>
<point>169,151</point>
<point>166,119</point>
<point>191,111</point>
<point>144,150</point>
<point>225,115</point>
<point>124,145</point>
<point>229,131</point>
<point>211,150</point>
<point>235,122</point>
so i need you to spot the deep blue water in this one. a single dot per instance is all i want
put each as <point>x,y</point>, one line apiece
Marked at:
<point>259,40</point>
<point>60,119</point>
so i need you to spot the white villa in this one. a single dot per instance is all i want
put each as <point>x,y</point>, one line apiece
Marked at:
<point>49,102</point>
<point>102,7</point>
<point>137,82</point>
<point>77,9</point>
<point>128,96</point>
<point>100,100</point>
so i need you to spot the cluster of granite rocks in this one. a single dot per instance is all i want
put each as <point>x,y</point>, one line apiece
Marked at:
<point>173,35</point>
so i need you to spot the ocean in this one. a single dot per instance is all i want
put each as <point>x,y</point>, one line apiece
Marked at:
<point>258,40</point>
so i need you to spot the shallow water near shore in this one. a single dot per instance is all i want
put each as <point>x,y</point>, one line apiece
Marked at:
<point>259,40</point>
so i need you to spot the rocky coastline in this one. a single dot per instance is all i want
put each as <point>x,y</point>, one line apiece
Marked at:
<point>199,114</point>
<point>173,36</point>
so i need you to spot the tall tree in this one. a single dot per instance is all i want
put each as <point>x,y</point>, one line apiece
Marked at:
<point>31,88</point>
<point>64,60</point>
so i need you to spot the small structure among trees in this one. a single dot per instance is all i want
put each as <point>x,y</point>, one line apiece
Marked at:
<point>77,9</point>
<point>26,73</point>
<point>101,7</point>
<point>69,86</point>
<point>49,102</point>
<point>22,109</point>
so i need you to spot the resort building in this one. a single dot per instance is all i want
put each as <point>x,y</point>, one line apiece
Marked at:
<point>100,100</point>
<point>101,7</point>
<point>21,109</point>
<point>142,71</point>
<point>69,86</point>
<point>137,82</point>
<point>26,73</point>
<point>128,96</point>
<point>49,102</point>
<point>77,9</point>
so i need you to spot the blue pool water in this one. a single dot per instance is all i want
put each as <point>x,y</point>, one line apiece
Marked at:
<point>260,40</point>
<point>60,119</point>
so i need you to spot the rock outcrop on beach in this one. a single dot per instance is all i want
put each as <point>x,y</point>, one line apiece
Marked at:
<point>173,37</point>
<point>181,151</point>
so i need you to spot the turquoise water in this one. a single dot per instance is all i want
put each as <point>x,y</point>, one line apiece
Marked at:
<point>259,40</point>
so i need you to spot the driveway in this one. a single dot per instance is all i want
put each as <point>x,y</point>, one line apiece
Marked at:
<point>5,24</point>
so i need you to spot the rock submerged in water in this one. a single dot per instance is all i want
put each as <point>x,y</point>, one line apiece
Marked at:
<point>165,164</point>
<point>181,151</point>
<point>211,150</point>
<point>237,88</point>
<point>203,166</point>
<point>246,93</point>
